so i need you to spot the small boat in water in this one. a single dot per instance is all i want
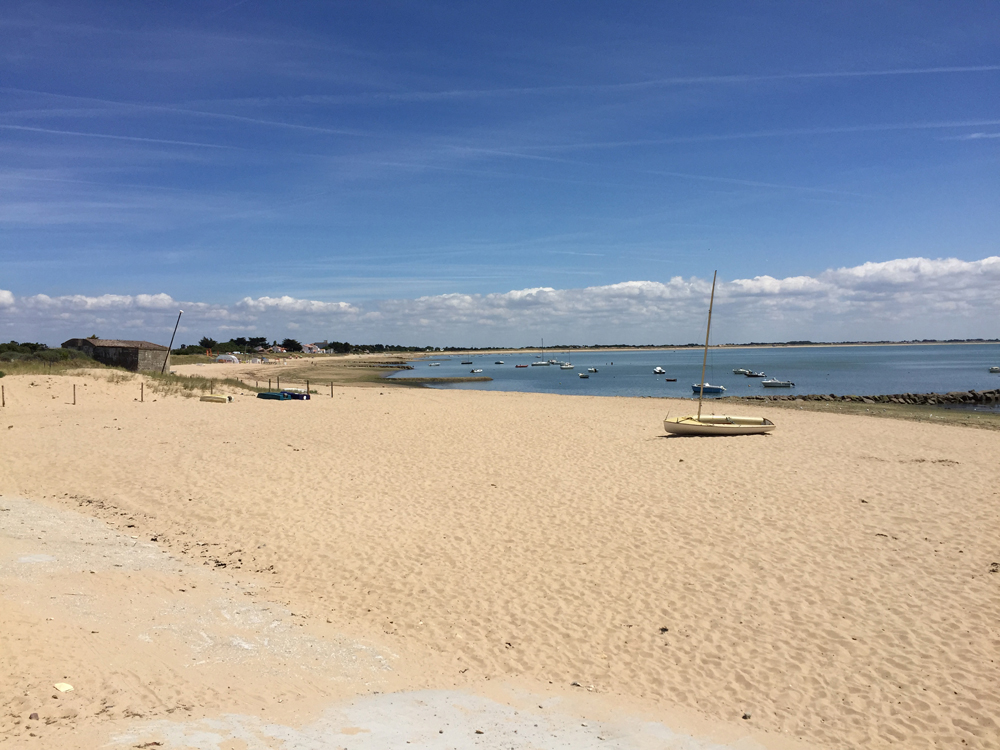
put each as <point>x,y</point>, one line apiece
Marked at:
<point>670,380</point>
<point>469,362</point>
<point>519,366</point>
<point>740,371</point>
<point>659,371</point>
<point>584,375</point>
<point>775,383</point>
<point>539,364</point>
<point>995,369</point>
<point>752,374</point>
<point>474,371</point>
<point>591,369</point>
<point>708,388</point>
<point>498,362</point>
<point>565,366</point>
<point>434,364</point>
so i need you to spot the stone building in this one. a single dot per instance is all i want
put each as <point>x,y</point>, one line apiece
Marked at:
<point>137,356</point>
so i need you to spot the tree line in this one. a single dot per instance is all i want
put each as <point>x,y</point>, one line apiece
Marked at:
<point>27,350</point>
<point>246,345</point>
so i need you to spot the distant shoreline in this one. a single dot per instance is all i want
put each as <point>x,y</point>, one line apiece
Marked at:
<point>678,347</point>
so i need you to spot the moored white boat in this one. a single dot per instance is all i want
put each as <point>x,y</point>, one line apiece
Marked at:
<point>775,383</point>
<point>434,364</point>
<point>995,369</point>
<point>475,371</point>
<point>591,369</point>
<point>498,362</point>
<point>584,375</point>
<point>565,366</point>
<point>659,371</point>
<point>740,371</point>
<point>539,364</point>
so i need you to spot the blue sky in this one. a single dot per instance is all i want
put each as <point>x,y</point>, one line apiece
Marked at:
<point>403,172</point>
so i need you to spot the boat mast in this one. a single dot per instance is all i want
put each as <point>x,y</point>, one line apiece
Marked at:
<point>704,361</point>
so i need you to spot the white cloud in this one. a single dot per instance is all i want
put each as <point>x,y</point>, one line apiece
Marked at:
<point>104,302</point>
<point>291,304</point>
<point>897,299</point>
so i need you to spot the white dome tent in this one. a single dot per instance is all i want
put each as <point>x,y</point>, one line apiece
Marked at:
<point>230,358</point>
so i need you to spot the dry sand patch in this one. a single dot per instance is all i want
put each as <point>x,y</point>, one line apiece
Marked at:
<point>165,654</point>
<point>830,580</point>
<point>139,634</point>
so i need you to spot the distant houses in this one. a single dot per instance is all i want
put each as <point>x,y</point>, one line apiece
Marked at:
<point>137,356</point>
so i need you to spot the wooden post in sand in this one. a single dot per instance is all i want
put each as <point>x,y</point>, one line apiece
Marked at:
<point>142,391</point>
<point>3,397</point>
<point>331,389</point>
<point>74,394</point>
<point>307,386</point>
<point>269,384</point>
<point>279,382</point>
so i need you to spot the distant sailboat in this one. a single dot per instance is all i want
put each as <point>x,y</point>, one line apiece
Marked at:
<point>714,424</point>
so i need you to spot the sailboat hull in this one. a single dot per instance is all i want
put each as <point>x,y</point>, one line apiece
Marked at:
<point>714,424</point>
<point>717,424</point>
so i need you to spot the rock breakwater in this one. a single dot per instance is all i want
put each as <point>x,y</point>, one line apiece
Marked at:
<point>970,398</point>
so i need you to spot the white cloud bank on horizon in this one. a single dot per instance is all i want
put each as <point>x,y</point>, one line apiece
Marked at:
<point>909,298</point>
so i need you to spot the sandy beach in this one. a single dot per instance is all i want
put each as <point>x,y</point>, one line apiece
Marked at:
<point>825,586</point>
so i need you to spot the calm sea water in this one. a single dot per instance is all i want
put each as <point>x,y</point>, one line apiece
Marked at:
<point>859,370</point>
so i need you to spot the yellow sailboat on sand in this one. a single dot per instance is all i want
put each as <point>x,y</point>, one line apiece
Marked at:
<point>714,424</point>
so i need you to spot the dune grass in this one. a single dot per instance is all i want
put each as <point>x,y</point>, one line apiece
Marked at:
<point>40,367</point>
<point>166,384</point>
<point>191,386</point>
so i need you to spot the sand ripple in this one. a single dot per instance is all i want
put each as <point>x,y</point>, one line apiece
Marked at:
<point>830,580</point>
